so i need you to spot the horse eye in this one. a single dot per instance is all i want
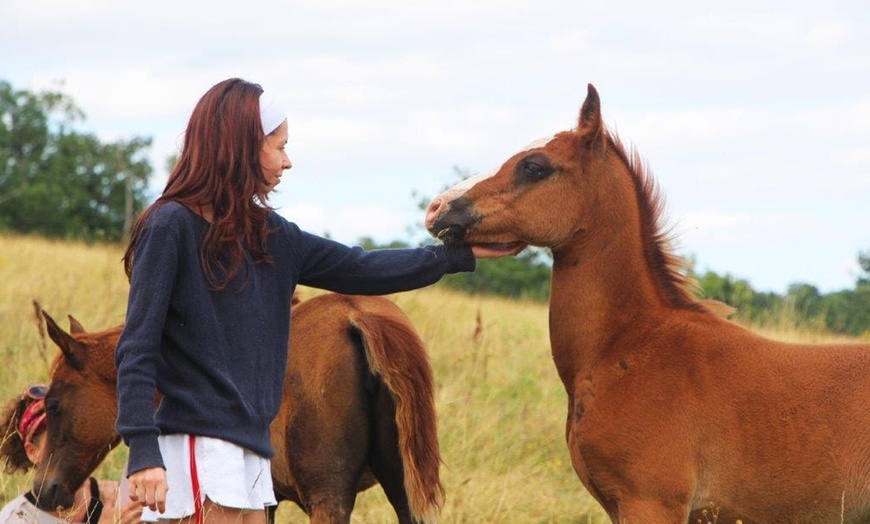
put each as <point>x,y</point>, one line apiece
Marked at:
<point>534,169</point>
<point>52,407</point>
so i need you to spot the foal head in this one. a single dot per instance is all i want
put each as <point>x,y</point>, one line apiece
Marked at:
<point>81,411</point>
<point>577,192</point>
<point>546,195</point>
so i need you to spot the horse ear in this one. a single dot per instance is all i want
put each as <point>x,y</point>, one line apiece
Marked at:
<point>73,350</point>
<point>589,126</point>
<point>75,326</point>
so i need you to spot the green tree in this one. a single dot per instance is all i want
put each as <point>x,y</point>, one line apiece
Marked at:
<point>59,182</point>
<point>522,276</point>
<point>864,263</point>
<point>805,300</point>
<point>751,305</point>
<point>848,311</point>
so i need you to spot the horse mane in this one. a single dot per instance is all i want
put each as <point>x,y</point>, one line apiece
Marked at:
<point>668,269</point>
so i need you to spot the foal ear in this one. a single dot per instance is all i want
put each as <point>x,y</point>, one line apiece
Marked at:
<point>589,126</point>
<point>75,326</point>
<point>73,350</point>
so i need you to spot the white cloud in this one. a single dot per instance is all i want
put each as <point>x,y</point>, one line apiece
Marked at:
<point>347,223</point>
<point>754,120</point>
<point>795,32</point>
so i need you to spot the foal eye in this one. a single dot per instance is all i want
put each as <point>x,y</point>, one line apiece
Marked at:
<point>52,407</point>
<point>535,170</point>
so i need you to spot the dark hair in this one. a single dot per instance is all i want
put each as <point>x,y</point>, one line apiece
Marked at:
<point>219,166</point>
<point>12,446</point>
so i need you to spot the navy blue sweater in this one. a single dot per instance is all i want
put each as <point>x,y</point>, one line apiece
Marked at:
<point>219,357</point>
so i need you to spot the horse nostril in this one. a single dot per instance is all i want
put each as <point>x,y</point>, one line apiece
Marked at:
<point>433,211</point>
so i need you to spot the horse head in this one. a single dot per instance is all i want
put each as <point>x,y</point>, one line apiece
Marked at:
<point>545,195</point>
<point>81,411</point>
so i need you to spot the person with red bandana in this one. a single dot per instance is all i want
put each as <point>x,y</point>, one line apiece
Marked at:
<point>23,424</point>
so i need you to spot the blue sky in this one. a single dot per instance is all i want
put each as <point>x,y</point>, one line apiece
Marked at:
<point>754,116</point>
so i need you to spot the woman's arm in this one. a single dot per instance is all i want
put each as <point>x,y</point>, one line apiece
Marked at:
<point>155,267</point>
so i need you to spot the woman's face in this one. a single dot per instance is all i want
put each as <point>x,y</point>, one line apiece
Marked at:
<point>273,157</point>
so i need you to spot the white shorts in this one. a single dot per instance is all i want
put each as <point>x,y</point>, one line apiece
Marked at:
<point>228,475</point>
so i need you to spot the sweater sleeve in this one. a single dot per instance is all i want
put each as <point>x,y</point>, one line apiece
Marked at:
<point>330,265</point>
<point>155,266</point>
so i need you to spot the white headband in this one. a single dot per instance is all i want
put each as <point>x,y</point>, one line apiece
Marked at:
<point>271,112</point>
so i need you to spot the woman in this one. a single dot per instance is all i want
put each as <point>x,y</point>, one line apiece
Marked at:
<point>212,272</point>
<point>22,448</point>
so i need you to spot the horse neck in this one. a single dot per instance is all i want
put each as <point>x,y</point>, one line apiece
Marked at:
<point>602,285</point>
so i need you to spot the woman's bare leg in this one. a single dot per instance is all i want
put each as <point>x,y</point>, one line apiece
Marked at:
<point>215,514</point>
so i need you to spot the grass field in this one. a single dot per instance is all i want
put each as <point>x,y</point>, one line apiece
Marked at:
<point>501,406</point>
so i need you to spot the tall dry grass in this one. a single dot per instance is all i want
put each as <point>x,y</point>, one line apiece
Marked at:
<point>501,406</point>
<point>66,278</point>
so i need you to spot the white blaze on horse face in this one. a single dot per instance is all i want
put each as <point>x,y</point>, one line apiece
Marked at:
<point>461,188</point>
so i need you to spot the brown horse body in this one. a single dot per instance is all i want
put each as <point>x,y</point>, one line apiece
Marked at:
<point>358,409</point>
<point>672,410</point>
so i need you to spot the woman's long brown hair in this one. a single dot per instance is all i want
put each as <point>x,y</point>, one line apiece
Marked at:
<point>219,167</point>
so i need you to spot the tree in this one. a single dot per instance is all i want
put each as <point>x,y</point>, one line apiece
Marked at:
<point>848,311</point>
<point>864,263</point>
<point>522,276</point>
<point>805,299</point>
<point>59,182</point>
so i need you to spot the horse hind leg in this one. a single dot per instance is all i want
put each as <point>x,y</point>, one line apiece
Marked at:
<point>405,456</point>
<point>386,461</point>
<point>328,479</point>
<point>328,438</point>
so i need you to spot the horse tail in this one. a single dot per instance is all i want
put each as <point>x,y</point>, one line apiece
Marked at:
<point>397,355</point>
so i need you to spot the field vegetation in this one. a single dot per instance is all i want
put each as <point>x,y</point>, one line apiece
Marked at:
<point>501,406</point>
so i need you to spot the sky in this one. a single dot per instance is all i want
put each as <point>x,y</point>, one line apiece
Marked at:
<point>754,116</point>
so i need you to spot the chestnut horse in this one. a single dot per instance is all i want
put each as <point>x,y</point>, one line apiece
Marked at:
<point>358,409</point>
<point>671,408</point>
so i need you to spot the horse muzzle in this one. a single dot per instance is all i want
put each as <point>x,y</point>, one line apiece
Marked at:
<point>52,495</point>
<point>449,221</point>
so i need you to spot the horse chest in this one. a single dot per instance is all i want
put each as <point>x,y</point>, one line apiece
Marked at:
<point>615,420</point>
